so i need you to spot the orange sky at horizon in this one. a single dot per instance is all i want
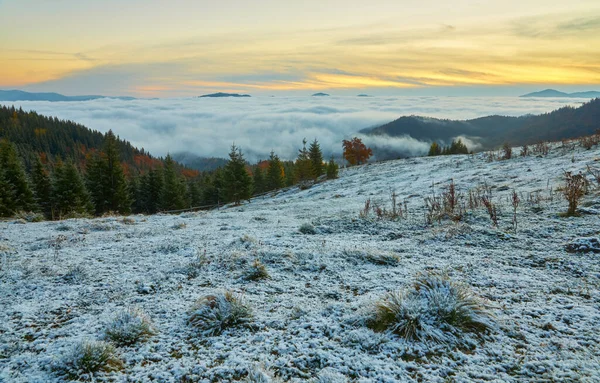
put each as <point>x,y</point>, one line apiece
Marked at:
<point>149,48</point>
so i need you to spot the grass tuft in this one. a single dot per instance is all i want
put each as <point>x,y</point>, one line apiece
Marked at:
<point>212,314</point>
<point>257,271</point>
<point>129,327</point>
<point>436,309</point>
<point>88,358</point>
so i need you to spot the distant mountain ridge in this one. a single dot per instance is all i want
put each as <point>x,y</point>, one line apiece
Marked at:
<point>492,131</point>
<point>556,93</point>
<point>221,94</point>
<point>19,95</point>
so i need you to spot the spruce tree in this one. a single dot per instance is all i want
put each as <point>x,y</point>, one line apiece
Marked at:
<point>17,197</point>
<point>332,169</point>
<point>434,149</point>
<point>174,190</point>
<point>304,170</point>
<point>117,193</point>
<point>290,173</point>
<point>154,191</point>
<point>212,194</point>
<point>6,195</point>
<point>237,181</point>
<point>42,188</point>
<point>70,196</point>
<point>96,180</point>
<point>194,193</point>
<point>275,173</point>
<point>316,159</point>
<point>259,180</point>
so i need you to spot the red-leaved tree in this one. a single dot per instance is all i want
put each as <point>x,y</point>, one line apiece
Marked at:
<point>355,152</point>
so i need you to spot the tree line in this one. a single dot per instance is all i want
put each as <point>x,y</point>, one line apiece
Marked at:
<point>62,189</point>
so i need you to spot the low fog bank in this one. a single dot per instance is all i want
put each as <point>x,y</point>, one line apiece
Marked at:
<point>207,127</point>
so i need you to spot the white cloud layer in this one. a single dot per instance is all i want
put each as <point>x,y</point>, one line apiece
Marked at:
<point>207,127</point>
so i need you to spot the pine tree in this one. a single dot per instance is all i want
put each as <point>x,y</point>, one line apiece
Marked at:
<point>237,181</point>
<point>213,190</point>
<point>17,197</point>
<point>304,169</point>
<point>434,149</point>
<point>70,196</point>
<point>173,193</point>
<point>275,173</point>
<point>316,159</point>
<point>332,169</point>
<point>6,195</point>
<point>154,191</point>
<point>194,193</point>
<point>290,173</point>
<point>96,181</point>
<point>117,193</point>
<point>42,188</point>
<point>259,180</point>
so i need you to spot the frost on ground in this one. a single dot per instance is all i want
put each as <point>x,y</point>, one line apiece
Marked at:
<point>309,271</point>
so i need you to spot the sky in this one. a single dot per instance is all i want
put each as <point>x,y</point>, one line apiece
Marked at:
<point>181,48</point>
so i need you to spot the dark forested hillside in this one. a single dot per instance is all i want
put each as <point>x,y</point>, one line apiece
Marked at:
<point>492,131</point>
<point>36,135</point>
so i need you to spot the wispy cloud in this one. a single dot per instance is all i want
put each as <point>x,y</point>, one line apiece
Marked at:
<point>385,55</point>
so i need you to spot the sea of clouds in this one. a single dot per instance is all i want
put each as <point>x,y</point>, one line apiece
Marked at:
<point>208,126</point>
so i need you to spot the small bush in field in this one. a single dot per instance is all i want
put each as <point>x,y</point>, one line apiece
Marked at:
<point>257,271</point>
<point>307,228</point>
<point>212,314</point>
<point>435,309</point>
<point>574,189</point>
<point>86,359</point>
<point>589,142</point>
<point>129,327</point>
<point>524,151</point>
<point>541,148</point>
<point>506,151</point>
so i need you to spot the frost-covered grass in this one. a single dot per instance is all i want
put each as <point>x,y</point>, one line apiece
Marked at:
<point>129,327</point>
<point>256,271</point>
<point>540,283</point>
<point>434,308</point>
<point>212,314</point>
<point>86,359</point>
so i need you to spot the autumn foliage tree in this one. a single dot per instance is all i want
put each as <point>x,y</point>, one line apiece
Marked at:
<point>355,152</point>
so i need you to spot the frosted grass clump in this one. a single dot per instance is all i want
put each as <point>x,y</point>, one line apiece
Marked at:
<point>129,327</point>
<point>212,314</point>
<point>86,359</point>
<point>436,309</point>
<point>257,271</point>
<point>307,228</point>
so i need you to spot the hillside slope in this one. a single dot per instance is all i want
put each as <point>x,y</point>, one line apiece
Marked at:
<point>492,131</point>
<point>309,316</point>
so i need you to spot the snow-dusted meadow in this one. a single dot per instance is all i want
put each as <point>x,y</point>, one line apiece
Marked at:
<point>62,282</point>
